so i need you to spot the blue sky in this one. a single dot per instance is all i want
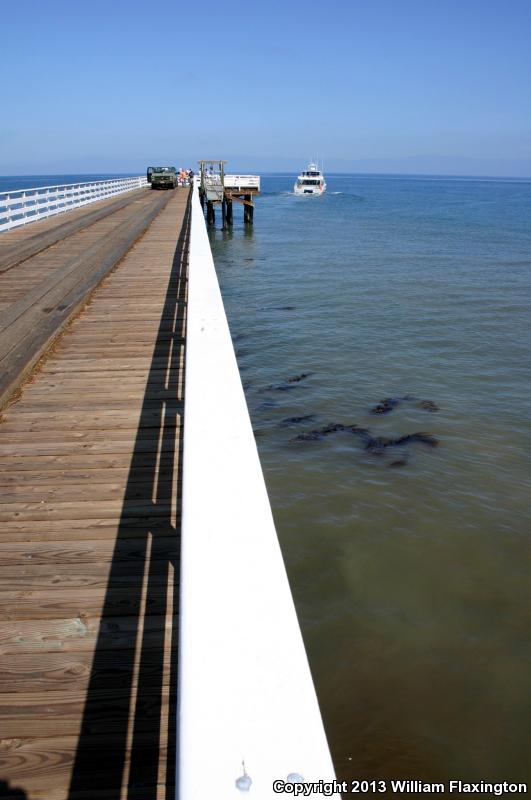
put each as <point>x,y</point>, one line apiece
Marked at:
<point>435,86</point>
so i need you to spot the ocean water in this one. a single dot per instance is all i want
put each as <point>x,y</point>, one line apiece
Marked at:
<point>10,183</point>
<point>411,579</point>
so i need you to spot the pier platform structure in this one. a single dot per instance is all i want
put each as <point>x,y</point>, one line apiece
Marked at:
<point>145,614</point>
<point>216,187</point>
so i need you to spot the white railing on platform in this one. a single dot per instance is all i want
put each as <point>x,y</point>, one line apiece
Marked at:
<point>20,206</point>
<point>243,182</point>
<point>246,694</point>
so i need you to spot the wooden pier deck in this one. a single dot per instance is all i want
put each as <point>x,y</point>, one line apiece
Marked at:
<point>89,511</point>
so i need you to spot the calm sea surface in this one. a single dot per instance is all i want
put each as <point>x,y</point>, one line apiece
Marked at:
<point>412,582</point>
<point>14,182</point>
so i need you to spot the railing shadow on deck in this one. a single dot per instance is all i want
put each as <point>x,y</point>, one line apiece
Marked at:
<point>133,655</point>
<point>11,792</point>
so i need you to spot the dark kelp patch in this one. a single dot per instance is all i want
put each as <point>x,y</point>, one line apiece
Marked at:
<point>285,423</point>
<point>289,383</point>
<point>389,403</point>
<point>428,405</point>
<point>327,430</point>
<point>277,308</point>
<point>374,445</point>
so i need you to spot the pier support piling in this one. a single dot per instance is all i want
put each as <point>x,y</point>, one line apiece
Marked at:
<point>248,209</point>
<point>217,187</point>
<point>223,214</point>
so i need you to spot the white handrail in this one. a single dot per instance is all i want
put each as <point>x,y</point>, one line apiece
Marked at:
<point>245,689</point>
<point>242,181</point>
<point>20,206</point>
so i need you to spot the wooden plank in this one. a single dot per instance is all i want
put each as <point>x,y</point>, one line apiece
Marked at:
<point>81,633</point>
<point>143,338</point>
<point>126,399</point>
<point>16,431</point>
<point>63,603</point>
<point>44,672</point>
<point>101,529</point>
<point>108,476</point>
<point>46,577</point>
<point>100,420</point>
<point>68,510</point>
<point>59,713</point>
<point>134,377</point>
<point>86,401</point>
<point>124,522</point>
<point>89,490</point>
<point>144,363</point>
<point>84,461</point>
<point>148,444</point>
<point>97,552</point>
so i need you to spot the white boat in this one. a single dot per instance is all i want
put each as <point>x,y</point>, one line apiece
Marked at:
<point>311,181</point>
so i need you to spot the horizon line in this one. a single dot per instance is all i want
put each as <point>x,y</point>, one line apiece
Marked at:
<point>289,173</point>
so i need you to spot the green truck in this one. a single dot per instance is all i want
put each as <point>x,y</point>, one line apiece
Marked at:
<point>162,177</point>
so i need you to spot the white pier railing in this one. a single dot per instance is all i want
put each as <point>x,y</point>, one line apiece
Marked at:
<point>242,182</point>
<point>246,695</point>
<point>20,206</point>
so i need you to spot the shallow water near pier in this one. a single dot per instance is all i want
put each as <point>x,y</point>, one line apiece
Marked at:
<point>411,583</point>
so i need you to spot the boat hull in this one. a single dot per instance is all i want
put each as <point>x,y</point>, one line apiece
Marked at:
<point>306,190</point>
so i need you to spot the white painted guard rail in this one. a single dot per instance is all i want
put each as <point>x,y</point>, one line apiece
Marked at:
<point>20,206</point>
<point>245,688</point>
<point>242,182</point>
